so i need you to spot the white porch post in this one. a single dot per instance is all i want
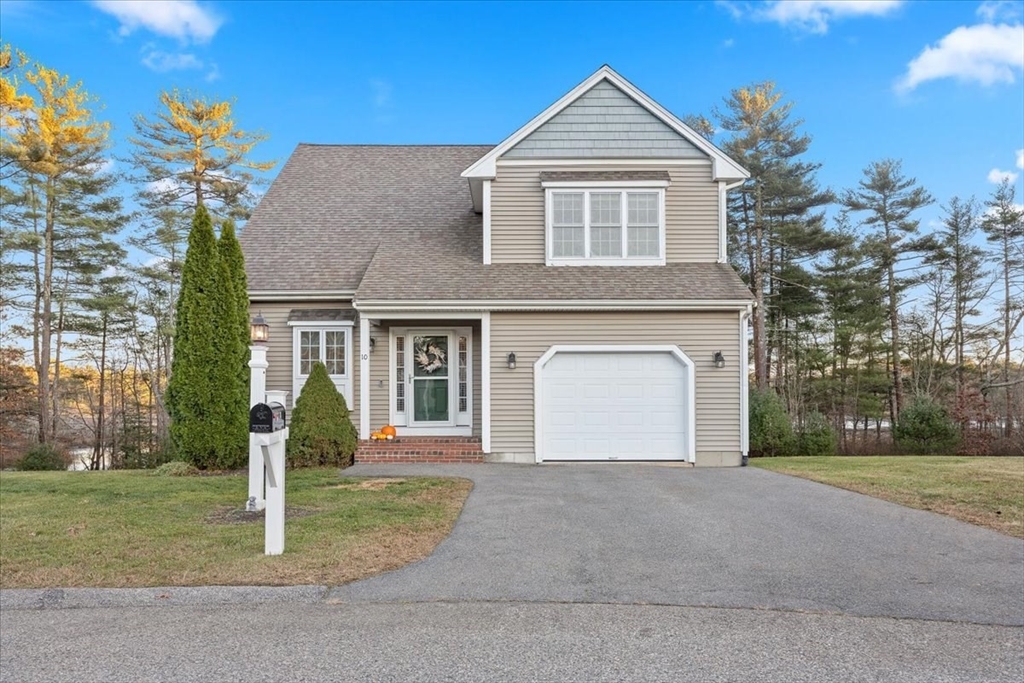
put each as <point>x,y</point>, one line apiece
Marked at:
<point>485,382</point>
<point>257,394</point>
<point>744,389</point>
<point>364,378</point>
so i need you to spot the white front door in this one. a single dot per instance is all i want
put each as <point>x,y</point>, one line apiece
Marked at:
<point>614,406</point>
<point>431,379</point>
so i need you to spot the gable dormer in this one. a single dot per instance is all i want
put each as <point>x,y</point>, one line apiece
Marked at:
<point>637,186</point>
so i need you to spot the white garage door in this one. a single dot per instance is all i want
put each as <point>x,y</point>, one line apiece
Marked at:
<point>614,406</point>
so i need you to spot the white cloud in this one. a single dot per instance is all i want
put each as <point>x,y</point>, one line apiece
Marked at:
<point>102,166</point>
<point>162,62</point>
<point>812,16</point>
<point>999,10</point>
<point>728,42</point>
<point>985,53</point>
<point>996,176</point>
<point>381,92</point>
<point>162,185</point>
<point>213,74</point>
<point>182,19</point>
<point>1020,158</point>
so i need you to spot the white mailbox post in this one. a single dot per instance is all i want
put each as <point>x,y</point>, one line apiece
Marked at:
<point>257,394</point>
<point>269,434</point>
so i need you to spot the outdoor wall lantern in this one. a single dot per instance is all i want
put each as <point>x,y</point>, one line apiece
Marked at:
<point>373,344</point>
<point>259,330</point>
<point>511,361</point>
<point>719,359</point>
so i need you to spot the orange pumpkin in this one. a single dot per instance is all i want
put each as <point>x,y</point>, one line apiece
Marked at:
<point>389,431</point>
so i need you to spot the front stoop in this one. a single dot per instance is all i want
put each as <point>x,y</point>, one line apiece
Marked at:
<point>430,449</point>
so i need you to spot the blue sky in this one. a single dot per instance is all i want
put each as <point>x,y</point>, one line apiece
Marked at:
<point>937,84</point>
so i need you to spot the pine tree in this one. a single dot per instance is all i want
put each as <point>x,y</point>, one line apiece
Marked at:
<point>890,199</point>
<point>194,399</point>
<point>1003,226</point>
<point>233,337</point>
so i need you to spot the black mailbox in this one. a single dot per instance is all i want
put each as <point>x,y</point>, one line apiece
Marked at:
<point>265,418</point>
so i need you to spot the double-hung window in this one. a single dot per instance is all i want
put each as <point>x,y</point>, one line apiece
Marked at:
<point>605,226</point>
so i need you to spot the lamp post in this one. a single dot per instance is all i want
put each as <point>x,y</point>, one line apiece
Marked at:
<point>259,334</point>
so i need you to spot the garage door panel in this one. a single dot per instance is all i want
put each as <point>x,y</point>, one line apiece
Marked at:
<point>612,405</point>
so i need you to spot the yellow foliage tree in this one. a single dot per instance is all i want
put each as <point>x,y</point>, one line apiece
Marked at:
<point>56,148</point>
<point>193,153</point>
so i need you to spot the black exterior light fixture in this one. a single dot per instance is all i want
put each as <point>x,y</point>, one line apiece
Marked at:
<point>259,330</point>
<point>511,361</point>
<point>373,344</point>
<point>718,359</point>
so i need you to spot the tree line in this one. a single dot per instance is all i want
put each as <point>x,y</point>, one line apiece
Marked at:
<point>102,327</point>
<point>860,311</point>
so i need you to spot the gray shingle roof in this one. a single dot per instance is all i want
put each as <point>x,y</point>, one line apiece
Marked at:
<point>583,176</point>
<point>443,269</point>
<point>396,223</point>
<point>325,213</point>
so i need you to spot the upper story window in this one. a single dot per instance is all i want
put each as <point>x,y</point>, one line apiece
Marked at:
<point>601,226</point>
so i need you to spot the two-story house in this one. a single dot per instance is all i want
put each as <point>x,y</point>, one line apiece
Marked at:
<point>564,295</point>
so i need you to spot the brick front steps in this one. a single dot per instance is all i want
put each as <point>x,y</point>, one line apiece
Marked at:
<point>433,449</point>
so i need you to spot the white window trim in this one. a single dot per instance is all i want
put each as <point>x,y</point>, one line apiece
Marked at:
<point>452,429</point>
<point>600,186</point>
<point>298,379</point>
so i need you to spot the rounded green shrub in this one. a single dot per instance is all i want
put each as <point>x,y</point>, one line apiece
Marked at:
<point>925,428</point>
<point>42,457</point>
<point>771,430</point>
<point>176,468</point>
<point>320,430</point>
<point>817,436</point>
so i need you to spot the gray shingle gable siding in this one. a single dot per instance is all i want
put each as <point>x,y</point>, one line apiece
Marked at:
<point>604,122</point>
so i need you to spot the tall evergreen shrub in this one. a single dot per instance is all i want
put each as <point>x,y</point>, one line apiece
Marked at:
<point>233,338</point>
<point>320,430</point>
<point>194,399</point>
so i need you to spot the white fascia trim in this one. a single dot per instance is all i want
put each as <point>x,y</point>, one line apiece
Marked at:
<point>613,162</point>
<point>403,311</point>
<point>487,221</point>
<point>724,167</point>
<point>321,323</point>
<point>307,295</point>
<point>485,382</point>
<point>744,384</point>
<point>364,379</point>
<point>617,184</point>
<point>475,309</point>
<point>691,387</point>
<point>722,217</point>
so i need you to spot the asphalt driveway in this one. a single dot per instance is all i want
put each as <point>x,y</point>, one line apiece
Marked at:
<point>743,538</point>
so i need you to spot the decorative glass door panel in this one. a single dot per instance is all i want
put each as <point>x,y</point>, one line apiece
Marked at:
<point>430,378</point>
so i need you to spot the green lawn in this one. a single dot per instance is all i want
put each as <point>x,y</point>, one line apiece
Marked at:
<point>131,528</point>
<point>984,491</point>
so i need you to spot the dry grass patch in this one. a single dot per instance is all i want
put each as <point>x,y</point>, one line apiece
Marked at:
<point>121,529</point>
<point>988,492</point>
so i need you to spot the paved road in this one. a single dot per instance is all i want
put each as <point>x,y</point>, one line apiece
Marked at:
<point>618,572</point>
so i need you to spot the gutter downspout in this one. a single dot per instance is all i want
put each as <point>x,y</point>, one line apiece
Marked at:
<point>744,366</point>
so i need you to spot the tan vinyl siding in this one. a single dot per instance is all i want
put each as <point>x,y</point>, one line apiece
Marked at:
<point>280,370</point>
<point>380,389</point>
<point>517,212</point>
<point>698,334</point>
